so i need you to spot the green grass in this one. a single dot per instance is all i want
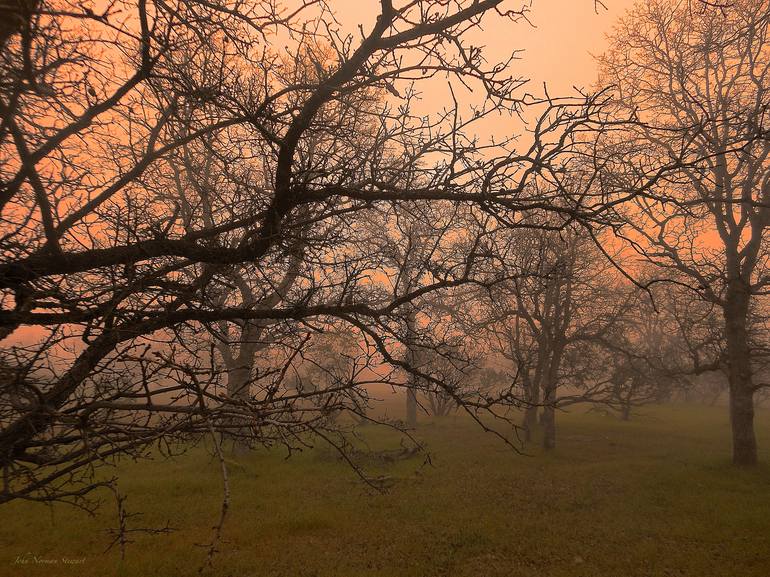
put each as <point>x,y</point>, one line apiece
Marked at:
<point>654,496</point>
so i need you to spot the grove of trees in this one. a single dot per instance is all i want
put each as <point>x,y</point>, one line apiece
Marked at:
<point>231,219</point>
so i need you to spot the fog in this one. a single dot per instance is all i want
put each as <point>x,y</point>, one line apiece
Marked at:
<point>433,287</point>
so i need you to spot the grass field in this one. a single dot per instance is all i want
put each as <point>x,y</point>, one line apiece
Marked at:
<point>654,496</point>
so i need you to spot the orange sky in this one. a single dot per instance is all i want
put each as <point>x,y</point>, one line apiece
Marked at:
<point>558,45</point>
<point>568,32</point>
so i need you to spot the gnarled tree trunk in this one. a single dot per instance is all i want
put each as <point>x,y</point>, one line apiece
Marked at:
<point>736,310</point>
<point>549,396</point>
<point>532,398</point>
<point>238,381</point>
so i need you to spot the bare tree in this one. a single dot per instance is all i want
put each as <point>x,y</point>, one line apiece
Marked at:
<point>117,249</point>
<point>552,320</point>
<point>646,355</point>
<point>696,78</point>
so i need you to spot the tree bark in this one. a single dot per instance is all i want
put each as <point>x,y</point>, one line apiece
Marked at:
<point>625,412</point>
<point>530,422</point>
<point>411,408</point>
<point>238,376</point>
<point>549,398</point>
<point>739,375</point>
<point>532,398</point>
<point>549,427</point>
<point>15,16</point>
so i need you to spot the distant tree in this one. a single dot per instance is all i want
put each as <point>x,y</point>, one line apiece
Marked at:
<point>327,366</point>
<point>551,319</point>
<point>645,357</point>
<point>419,235</point>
